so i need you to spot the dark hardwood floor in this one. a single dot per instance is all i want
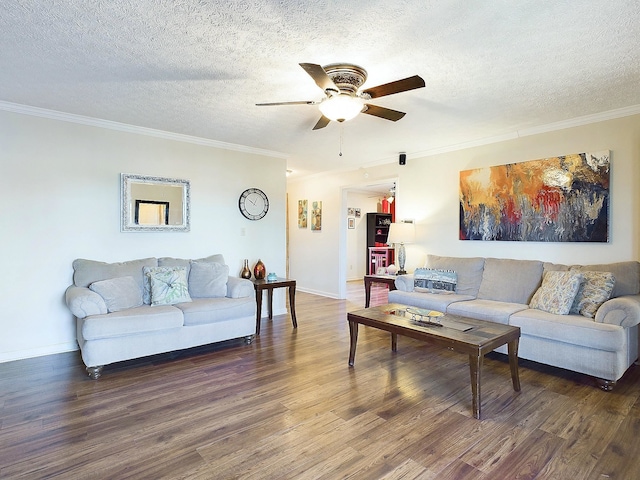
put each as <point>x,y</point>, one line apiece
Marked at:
<point>288,406</point>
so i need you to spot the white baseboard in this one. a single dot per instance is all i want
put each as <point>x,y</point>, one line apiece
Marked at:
<point>318,292</point>
<point>37,352</point>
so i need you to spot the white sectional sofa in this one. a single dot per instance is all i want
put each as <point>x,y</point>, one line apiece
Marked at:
<point>501,290</point>
<point>148,306</point>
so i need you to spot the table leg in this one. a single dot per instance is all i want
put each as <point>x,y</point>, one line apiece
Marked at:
<point>292,305</point>
<point>367,292</point>
<point>270,294</point>
<point>353,333</point>
<point>394,342</point>
<point>513,363</point>
<point>475,367</point>
<point>259,310</point>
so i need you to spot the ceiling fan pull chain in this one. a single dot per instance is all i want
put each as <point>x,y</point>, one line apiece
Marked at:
<point>341,134</point>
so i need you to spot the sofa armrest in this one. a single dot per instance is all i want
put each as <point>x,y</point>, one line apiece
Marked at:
<point>404,283</point>
<point>623,311</point>
<point>239,287</point>
<point>84,302</point>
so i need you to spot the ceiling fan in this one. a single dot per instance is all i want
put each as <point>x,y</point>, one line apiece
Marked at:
<point>340,83</point>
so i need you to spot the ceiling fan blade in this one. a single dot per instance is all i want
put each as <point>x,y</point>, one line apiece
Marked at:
<point>383,112</point>
<point>319,76</point>
<point>303,102</point>
<point>323,122</point>
<point>398,86</point>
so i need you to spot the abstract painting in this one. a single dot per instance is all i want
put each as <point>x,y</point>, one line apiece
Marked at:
<point>560,199</point>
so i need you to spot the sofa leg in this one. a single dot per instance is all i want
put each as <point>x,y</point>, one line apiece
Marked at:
<point>248,339</point>
<point>95,372</point>
<point>606,385</point>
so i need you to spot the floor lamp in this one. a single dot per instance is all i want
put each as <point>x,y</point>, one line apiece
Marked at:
<point>401,233</point>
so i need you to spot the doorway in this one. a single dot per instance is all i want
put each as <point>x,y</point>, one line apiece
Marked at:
<point>357,201</point>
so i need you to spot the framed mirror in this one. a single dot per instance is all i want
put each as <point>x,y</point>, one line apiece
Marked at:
<point>154,204</point>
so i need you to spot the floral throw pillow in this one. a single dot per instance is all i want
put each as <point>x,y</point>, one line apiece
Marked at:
<point>594,292</point>
<point>557,292</point>
<point>168,285</point>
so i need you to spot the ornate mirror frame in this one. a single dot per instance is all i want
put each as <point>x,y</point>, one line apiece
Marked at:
<point>136,189</point>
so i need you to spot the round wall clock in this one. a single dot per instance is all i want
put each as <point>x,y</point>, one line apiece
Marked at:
<point>253,204</point>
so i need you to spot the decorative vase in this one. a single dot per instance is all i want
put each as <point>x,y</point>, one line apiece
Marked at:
<point>246,273</point>
<point>259,270</point>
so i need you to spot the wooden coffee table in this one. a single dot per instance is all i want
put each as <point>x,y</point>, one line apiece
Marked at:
<point>461,334</point>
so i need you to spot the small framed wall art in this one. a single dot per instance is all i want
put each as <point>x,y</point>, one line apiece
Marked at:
<point>316,215</point>
<point>302,213</point>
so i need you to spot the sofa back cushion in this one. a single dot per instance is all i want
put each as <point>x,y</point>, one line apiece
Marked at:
<point>627,275</point>
<point>468,271</point>
<point>85,272</point>
<point>507,280</point>
<point>184,262</point>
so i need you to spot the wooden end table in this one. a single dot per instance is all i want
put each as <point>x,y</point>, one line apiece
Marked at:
<point>269,285</point>
<point>461,334</point>
<point>389,280</point>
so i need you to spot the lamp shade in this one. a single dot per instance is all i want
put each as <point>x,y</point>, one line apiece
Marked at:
<point>401,233</point>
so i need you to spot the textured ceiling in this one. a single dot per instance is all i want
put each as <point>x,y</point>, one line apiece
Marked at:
<point>198,67</point>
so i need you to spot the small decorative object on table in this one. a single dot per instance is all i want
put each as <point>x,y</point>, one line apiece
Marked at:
<point>246,273</point>
<point>392,269</point>
<point>259,270</point>
<point>425,317</point>
<point>272,277</point>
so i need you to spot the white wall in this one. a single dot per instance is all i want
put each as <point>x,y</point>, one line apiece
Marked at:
<point>427,191</point>
<point>61,201</point>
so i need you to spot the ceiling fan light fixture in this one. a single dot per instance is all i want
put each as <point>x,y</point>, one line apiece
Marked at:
<point>341,108</point>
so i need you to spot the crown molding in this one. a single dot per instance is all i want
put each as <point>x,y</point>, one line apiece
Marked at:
<point>124,127</point>
<point>550,127</point>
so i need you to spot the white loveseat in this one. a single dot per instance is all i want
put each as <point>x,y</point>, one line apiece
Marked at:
<point>119,316</point>
<point>501,290</point>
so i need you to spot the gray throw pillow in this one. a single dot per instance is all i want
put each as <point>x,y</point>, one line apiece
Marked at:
<point>208,280</point>
<point>119,293</point>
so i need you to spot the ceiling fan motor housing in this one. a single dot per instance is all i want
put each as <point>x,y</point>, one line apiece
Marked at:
<point>347,77</point>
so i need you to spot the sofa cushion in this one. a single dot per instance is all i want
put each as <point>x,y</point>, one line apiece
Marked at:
<point>131,321</point>
<point>211,310</point>
<point>627,276</point>
<point>85,272</point>
<point>118,293</point>
<point>208,279</point>
<point>594,291</point>
<point>573,329</point>
<point>435,280</point>
<point>557,292</point>
<point>168,285</point>
<point>489,310</point>
<point>554,267</point>
<point>430,301</point>
<point>468,271</point>
<point>513,281</point>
